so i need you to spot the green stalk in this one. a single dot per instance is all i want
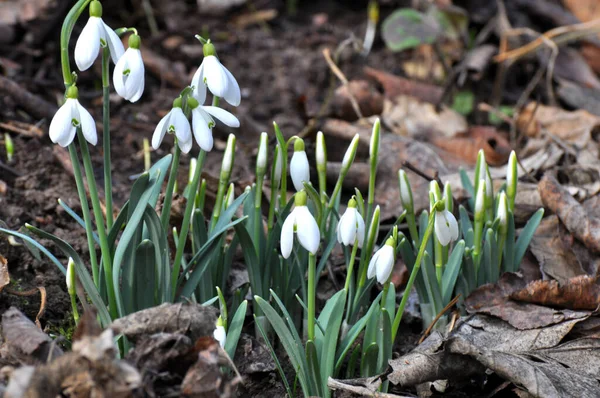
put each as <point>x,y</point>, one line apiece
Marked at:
<point>166,210</point>
<point>106,138</point>
<point>413,276</point>
<point>85,210</point>
<point>274,189</point>
<point>104,248</point>
<point>312,269</point>
<point>412,227</point>
<point>65,36</point>
<point>185,225</point>
<point>74,307</point>
<point>439,260</point>
<point>351,265</point>
<point>257,212</point>
<point>283,152</point>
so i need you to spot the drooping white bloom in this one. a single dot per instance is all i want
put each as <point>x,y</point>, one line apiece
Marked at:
<point>220,335</point>
<point>203,122</point>
<point>68,118</point>
<point>71,276</point>
<point>96,34</point>
<point>302,222</point>
<point>446,227</point>
<point>299,168</point>
<point>128,76</point>
<point>351,227</point>
<point>216,77</point>
<point>174,122</point>
<point>382,262</point>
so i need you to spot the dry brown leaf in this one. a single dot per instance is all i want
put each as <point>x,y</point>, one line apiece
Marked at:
<point>4,275</point>
<point>578,293</point>
<point>394,86</point>
<point>584,227</point>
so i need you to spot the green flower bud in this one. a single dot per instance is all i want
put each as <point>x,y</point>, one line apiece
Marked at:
<point>135,41</point>
<point>177,102</point>
<point>192,102</point>
<point>261,157</point>
<point>352,203</point>
<point>209,49</point>
<point>406,196</point>
<point>300,198</point>
<point>96,9</point>
<point>298,145</point>
<point>73,92</point>
<point>228,158</point>
<point>511,180</point>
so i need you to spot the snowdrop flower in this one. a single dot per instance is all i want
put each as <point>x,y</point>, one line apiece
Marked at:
<point>351,227</point>
<point>261,156</point>
<point>299,169</point>
<point>71,277</point>
<point>68,118</point>
<point>203,122</point>
<point>174,122</point>
<point>511,179</point>
<point>219,334</point>
<point>502,214</point>
<point>94,35</point>
<point>446,227</point>
<point>303,223</point>
<point>382,262</point>
<point>219,80</point>
<point>405,191</point>
<point>321,152</point>
<point>128,76</point>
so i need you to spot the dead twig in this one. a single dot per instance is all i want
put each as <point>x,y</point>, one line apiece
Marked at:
<point>437,318</point>
<point>31,292</point>
<point>340,75</point>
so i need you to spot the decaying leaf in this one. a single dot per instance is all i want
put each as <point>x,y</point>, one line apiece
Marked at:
<point>573,215</point>
<point>4,276</point>
<point>494,299</point>
<point>393,86</point>
<point>579,293</point>
<point>192,320</point>
<point>25,341</point>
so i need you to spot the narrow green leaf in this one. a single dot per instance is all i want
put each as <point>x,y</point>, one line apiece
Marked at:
<point>451,271</point>
<point>368,365</point>
<point>32,243</point>
<point>234,329</point>
<point>525,237</point>
<point>332,324</point>
<point>313,370</point>
<point>77,218</point>
<point>145,274</point>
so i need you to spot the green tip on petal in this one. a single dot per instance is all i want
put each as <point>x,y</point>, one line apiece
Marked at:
<point>177,103</point>
<point>96,9</point>
<point>209,49</point>
<point>73,92</point>
<point>135,41</point>
<point>299,145</point>
<point>300,198</point>
<point>192,102</point>
<point>352,203</point>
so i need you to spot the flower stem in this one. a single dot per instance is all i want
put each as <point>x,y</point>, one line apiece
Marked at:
<point>185,225</point>
<point>413,276</point>
<point>106,138</point>
<point>166,210</point>
<point>351,265</point>
<point>439,260</point>
<point>104,248</point>
<point>74,307</point>
<point>85,210</point>
<point>257,213</point>
<point>312,285</point>
<point>65,36</point>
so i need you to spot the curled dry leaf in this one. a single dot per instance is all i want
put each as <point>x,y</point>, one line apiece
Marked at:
<point>584,227</point>
<point>395,85</point>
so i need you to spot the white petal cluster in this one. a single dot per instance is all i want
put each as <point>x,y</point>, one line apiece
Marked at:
<point>382,264</point>
<point>66,120</point>
<point>96,34</point>
<point>220,335</point>
<point>128,76</point>
<point>302,222</point>
<point>203,123</point>
<point>351,228</point>
<point>446,227</point>
<point>218,79</point>
<point>174,121</point>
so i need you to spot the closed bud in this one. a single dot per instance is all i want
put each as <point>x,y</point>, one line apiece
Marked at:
<point>374,144</point>
<point>350,153</point>
<point>511,180</point>
<point>480,199</point>
<point>71,277</point>
<point>321,152</point>
<point>502,214</point>
<point>448,196</point>
<point>261,157</point>
<point>228,158</point>
<point>406,196</point>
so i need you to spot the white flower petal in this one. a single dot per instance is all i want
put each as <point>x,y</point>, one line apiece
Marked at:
<point>224,116</point>
<point>182,129</point>
<point>88,125</point>
<point>160,131</point>
<point>199,87</point>
<point>61,125</point>
<point>307,229</point>
<point>445,223</point>
<point>185,146</point>
<point>136,74</point>
<point>287,234</point>
<point>215,76</point>
<point>372,270</point>
<point>452,225</point>
<point>220,335</point>
<point>233,94</point>
<point>119,78</point>
<point>115,45</point>
<point>201,129</point>
<point>348,227</point>
<point>299,170</point>
<point>88,43</point>
<point>360,231</point>
<point>385,264</point>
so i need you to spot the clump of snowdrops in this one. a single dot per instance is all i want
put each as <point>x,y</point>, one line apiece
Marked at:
<point>286,250</point>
